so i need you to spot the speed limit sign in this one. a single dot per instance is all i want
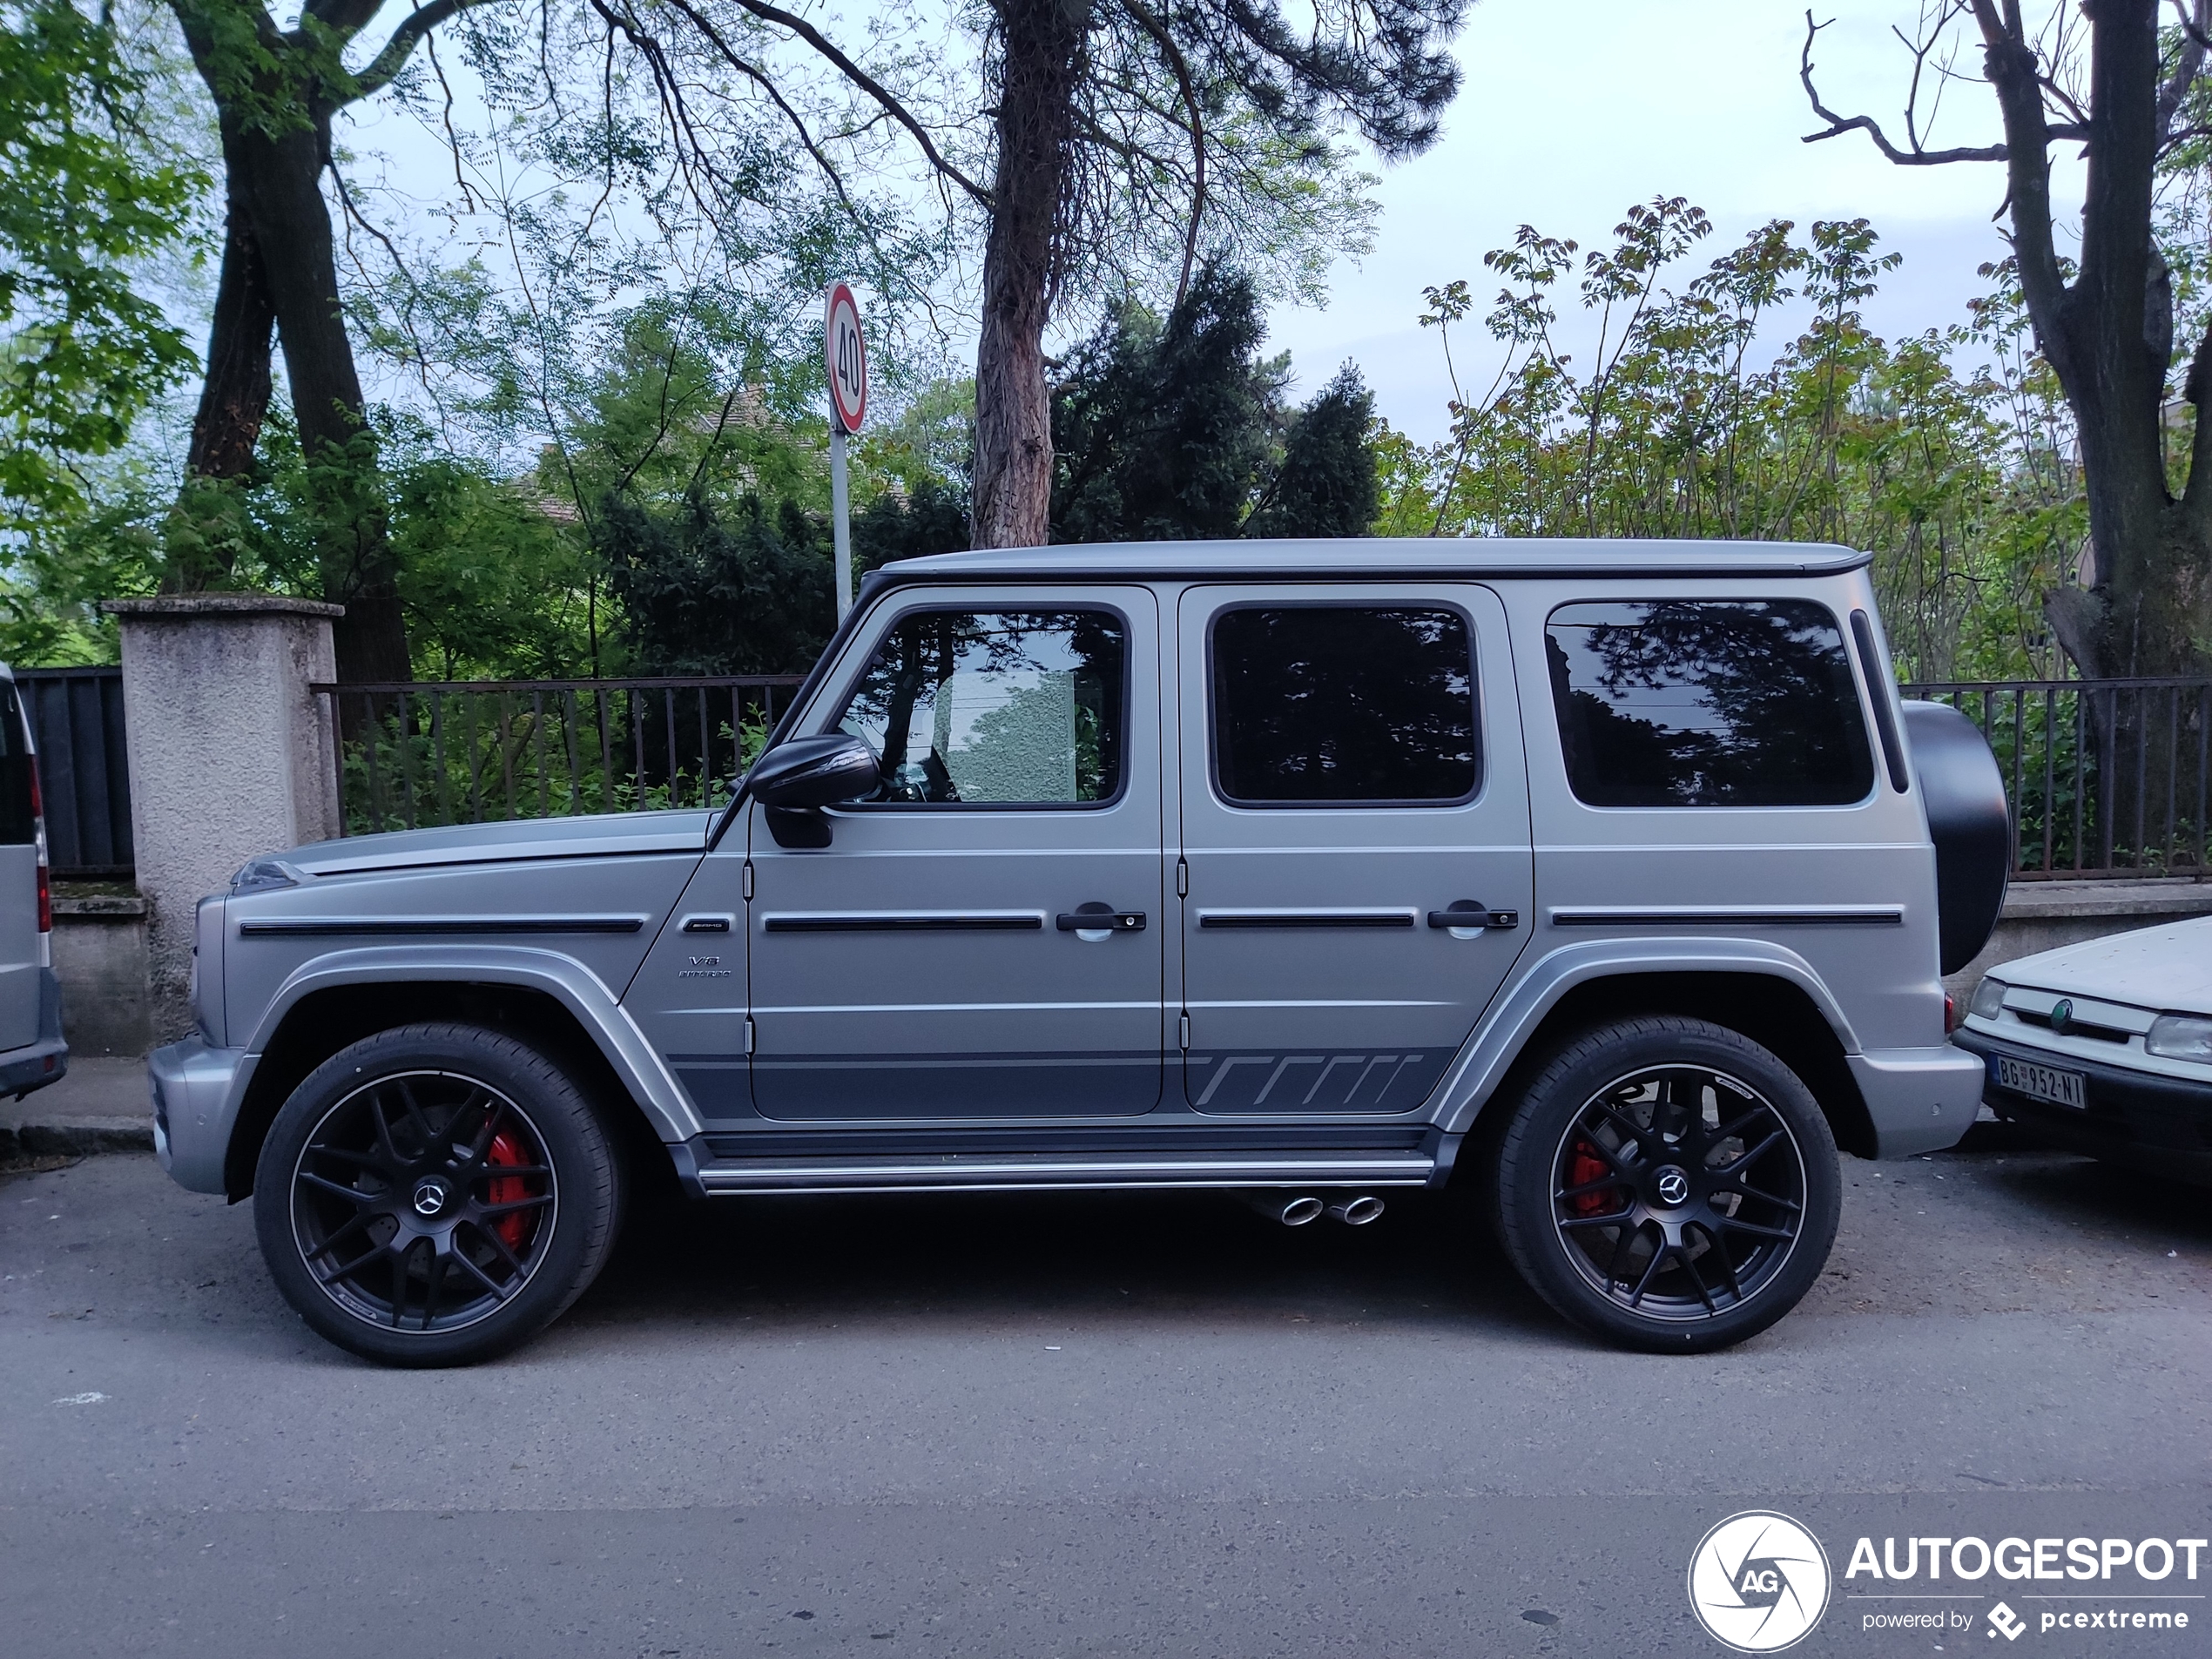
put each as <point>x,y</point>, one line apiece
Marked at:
<point>846,355</point>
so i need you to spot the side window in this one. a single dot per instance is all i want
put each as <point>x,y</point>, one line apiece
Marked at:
<point>1707,703</point>
<point>18,821</point>
<point>1321,705</point>
<point>997,708</point>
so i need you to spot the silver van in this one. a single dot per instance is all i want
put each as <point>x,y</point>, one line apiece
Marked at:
<point>32,1053</point>
<point>1596,876</point>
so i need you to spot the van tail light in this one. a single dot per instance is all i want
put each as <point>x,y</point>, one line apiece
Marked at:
<point>1950,1002</point>
<point>38,834</point>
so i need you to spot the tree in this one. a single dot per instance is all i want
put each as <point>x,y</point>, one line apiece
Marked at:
<point>1092,116</point>
<point>276,92</point>
<point>84,195</point>
<point>2106,326</point>
<point>1176,429</point>
<point>1326,483</point>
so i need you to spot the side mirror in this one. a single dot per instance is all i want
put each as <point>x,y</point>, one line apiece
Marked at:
<point>814,772</point>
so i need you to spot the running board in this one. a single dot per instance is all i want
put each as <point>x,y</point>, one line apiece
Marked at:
<point>956,1172</point>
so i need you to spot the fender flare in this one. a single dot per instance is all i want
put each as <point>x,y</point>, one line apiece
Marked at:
<point>1482,1064</point>
<point>582,993</point>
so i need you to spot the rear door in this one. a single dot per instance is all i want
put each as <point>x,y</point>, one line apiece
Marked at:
<point>21,951</point>
<point>1351,769</point>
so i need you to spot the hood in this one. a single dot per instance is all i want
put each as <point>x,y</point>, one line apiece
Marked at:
<point>2155,967</point>
<point>535,837</point>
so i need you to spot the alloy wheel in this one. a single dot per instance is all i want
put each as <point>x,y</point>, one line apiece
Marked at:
<point>423,1201</point>
<point>1678,1192</point>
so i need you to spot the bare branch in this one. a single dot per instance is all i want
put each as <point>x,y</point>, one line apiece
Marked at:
<point>874,89</point>
<point>1837,124</point>
<point>388,62</point>
<point>1158,30</point>
<point>2190,62</point>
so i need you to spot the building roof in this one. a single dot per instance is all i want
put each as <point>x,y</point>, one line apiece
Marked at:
<point>1413,557</point>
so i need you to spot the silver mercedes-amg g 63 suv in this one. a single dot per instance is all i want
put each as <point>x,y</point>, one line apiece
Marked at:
<point>1610,878</point>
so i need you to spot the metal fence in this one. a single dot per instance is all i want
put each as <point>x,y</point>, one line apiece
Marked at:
<point>76,717</point>
<point>2105,777</point>
<point>471,750</point>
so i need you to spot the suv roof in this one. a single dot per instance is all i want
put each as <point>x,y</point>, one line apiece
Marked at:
<point>1397,556</point>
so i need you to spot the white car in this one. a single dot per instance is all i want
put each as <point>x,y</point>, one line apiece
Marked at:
<point>2106,1047</point>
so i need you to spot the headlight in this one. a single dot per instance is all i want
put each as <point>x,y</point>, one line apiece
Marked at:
<point>2180,1036</point>
<point>264,875</point>
<point>1989,998</point>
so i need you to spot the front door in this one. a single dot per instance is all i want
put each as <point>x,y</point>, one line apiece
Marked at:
<point>983,938</point>
<point>1351,771</point>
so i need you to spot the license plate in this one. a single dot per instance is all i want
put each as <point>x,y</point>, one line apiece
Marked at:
<point>2040,1083</point>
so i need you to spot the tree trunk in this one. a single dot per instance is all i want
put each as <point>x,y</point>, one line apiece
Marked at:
<point>234,400</point>
<point>2109,337</point>
<point>281,265</point>
<point>1041,50</point>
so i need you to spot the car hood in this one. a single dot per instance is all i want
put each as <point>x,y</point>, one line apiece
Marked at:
<point>2155,968</point>
<point>539,838</point>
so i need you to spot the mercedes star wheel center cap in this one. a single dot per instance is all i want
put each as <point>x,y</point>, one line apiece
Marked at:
<point>429,1197</point>
<point>1673,1186</point>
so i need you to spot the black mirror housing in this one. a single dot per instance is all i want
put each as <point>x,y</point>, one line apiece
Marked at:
<point>814,772</point>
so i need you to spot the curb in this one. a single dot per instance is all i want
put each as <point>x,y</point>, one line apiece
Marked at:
<point>76,1138</point>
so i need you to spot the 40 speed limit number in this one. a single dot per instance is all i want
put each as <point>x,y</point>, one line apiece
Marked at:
<point>845,353</point>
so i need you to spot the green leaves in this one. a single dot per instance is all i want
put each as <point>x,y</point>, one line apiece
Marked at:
<point>81,197</point>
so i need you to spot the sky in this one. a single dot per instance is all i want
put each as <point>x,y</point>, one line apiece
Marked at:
<point>1574,109</point>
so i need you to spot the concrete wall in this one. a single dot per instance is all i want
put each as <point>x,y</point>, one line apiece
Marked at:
<point>2043,915</point>
<point>100,958</point>
<point>231,756</point>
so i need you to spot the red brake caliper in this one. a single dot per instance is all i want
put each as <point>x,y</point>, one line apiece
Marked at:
<point>508,1189</point>
<point>1584,1166</point>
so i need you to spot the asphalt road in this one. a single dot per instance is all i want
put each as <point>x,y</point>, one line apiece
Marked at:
<point>1025,1426</point>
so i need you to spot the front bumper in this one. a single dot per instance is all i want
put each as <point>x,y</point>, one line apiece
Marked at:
<point>2158,1123</point>
<point>46,1060</point>
<point>1920,1100</point>
<point>196,1094</point>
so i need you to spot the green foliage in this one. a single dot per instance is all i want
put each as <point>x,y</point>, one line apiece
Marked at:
<point>1945,455</point>
<point>703,592</point>
<point>1327,483</point>
<point>83,195</point>
<point>1175,429</point>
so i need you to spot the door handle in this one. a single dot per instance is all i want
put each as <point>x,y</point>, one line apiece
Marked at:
<point>1096,918</point>
<point>1466,913</point>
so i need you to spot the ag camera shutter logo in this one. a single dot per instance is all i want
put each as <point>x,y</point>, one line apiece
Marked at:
<point>1758,1581</point>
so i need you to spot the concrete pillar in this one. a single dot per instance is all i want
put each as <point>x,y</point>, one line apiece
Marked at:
<point>231,755</point>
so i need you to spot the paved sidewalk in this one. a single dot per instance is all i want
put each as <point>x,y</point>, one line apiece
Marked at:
<point>101,1106</point>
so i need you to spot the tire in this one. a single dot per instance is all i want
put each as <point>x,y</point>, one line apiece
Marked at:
<point>436,1195</point>
<point>1668,1184</point>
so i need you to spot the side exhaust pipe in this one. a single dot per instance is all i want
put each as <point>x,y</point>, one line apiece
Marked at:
<point>1358,1212</point>
<point>1292,1208</point>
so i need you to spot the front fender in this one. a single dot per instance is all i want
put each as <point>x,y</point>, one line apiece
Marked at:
<point>567,981</point>
<point>1498,1041</point>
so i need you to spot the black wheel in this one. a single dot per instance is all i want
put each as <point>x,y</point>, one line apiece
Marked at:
<point>435,1195</point>
<point>1669,1184</point>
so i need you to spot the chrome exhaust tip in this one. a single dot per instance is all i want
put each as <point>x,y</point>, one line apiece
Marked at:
<point>1292,1208</point>
<point>1358,1212</point>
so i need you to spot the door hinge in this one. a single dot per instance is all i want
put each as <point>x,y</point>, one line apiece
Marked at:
<point>745,882</point>
<point>748,1034</point>
<point>1181,878</point>
<point>1183,1030</point>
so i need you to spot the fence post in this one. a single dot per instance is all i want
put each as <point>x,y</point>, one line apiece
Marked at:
<point>230,754</point>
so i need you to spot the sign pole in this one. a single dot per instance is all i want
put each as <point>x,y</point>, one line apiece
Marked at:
<point>845,357</point>
<point>840,519</point>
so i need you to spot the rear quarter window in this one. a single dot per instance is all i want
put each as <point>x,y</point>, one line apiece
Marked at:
<point>18,819</point>
<point>1707,703</point>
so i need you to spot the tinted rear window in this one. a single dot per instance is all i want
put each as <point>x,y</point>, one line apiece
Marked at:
<point>1707,703</point>
<point>18,824</point>
<point>1326,704</point>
